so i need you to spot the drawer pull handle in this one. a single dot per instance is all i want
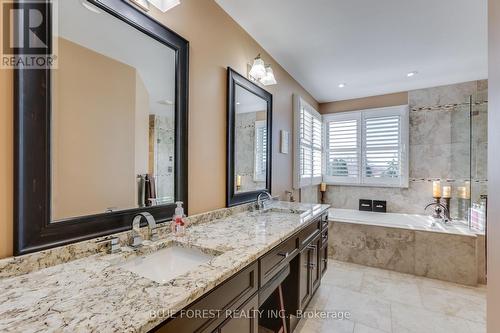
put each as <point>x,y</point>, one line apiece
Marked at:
<point>284,254</point>
<point>311,247</point>
<point>312,265</point>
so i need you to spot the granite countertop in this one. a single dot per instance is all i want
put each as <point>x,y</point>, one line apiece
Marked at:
<point>94,294</point>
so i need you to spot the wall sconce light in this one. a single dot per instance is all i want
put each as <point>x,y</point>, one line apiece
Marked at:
<point>261,72</point>
<point>258,70</point>
<point>269,79</point>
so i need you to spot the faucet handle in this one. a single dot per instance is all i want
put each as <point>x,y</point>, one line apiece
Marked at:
<point>135,240</point>
<point>113,244</point>
<point>153,236</point>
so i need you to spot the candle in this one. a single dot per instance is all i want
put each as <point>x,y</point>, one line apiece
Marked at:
<point>446,192</point>
<point>238,181</point>
<point>467,190</point>
<point>436,189</point>
<point>323,187</point>
<point>461,192</point>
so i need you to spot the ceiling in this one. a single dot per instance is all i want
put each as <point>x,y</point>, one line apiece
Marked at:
<point>100,32</point>
<point>369,45</point>
<point>248,102</point>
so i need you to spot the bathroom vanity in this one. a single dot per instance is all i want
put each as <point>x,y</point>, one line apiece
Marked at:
<point>297,264</point>
<point>248,254</point>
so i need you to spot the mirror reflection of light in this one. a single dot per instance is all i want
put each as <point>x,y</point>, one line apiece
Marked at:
<point>90,7</point>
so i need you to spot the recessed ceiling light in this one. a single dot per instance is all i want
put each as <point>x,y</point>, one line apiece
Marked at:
<point>238,103</point>
<point>165,102</point>
<point>341,85</point>
<point>410,74</point>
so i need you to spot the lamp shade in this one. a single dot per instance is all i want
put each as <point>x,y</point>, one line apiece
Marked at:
<point>258,71</point>
<point>269,79</point>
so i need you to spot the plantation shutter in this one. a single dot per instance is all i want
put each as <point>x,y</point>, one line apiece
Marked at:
<point>343,149</point>
<point>368,147</point>
<point>308,164</point>
<point>382,147</point>
<point>260,169</point>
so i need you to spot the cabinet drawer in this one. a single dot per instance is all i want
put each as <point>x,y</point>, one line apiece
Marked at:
<point>272,262</point>
<point>229,296</point>
<point>309,232</point>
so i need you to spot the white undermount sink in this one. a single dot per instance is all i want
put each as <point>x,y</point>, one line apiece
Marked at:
<point>166,264</point>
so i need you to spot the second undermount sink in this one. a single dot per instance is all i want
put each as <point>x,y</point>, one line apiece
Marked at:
<point>167,264</point>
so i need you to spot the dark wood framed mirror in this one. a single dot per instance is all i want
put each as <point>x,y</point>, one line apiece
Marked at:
<point>249,139</point>
<point>103,135</point>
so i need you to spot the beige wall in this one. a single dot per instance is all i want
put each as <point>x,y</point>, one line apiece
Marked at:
<point>494,167</point>
<point>365,103</point>
<point>95,132</point>
<point>6,163</point>
<point>216,41</point>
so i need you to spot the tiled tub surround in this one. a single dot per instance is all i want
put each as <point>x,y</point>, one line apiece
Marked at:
<point>93,294</point>
<point>407,244</point>
<point>439,148</point>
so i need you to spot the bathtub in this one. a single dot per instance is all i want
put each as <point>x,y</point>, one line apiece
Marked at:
<point>397,220</point>
<point>408,243</point>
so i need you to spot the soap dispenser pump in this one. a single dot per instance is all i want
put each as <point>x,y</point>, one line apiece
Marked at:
<point>179,222</point>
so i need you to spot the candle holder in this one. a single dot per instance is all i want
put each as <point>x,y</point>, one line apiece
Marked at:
<point>447,211</point>
<point>437,209</point>
<point>322,189</point>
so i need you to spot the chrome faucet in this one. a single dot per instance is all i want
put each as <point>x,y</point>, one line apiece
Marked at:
<point>261,204</point>
<point>136,238</point>
<point>438,209</point>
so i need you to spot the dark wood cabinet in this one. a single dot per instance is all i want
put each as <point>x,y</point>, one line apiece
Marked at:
<point>324,259</point>
<point>305,286</point>
<point>245,320</point>
<point>296,266</point>
<point>315,263</point>
<point>312,240</point>
<point>229,296</point>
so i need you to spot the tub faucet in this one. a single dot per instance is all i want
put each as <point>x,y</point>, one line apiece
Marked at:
<point>438,209</point>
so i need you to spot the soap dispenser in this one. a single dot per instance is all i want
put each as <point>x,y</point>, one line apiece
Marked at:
<point>179,220</point>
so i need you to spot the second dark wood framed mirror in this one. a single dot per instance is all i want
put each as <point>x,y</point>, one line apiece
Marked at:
<point>249,139</point>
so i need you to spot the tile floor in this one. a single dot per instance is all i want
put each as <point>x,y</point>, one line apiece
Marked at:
<point>384,301</point>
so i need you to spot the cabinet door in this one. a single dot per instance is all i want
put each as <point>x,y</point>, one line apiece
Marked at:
<point>315,263</point>
<point>245,320</point>
<point>324,259</point>
<point>305,286</point>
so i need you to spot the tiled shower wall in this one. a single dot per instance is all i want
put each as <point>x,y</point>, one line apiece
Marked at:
<point>244,151</point>
<point>440,146</point>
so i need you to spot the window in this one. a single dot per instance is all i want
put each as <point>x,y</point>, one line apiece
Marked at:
<point>308,144</point>
<point>260,167</point>
<point>367,147</point>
